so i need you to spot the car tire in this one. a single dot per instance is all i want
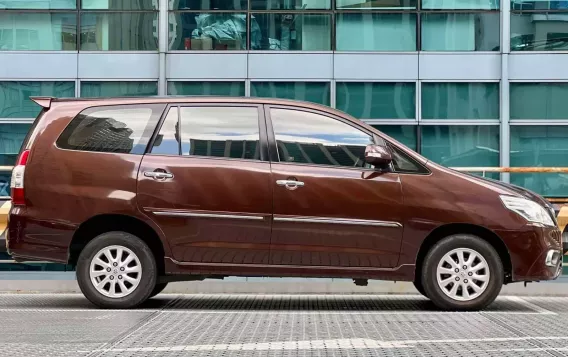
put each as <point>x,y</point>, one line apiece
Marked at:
<point>130,278</point>
<point>450,286</point>
<point>418,285</point>
<point>158,289</point>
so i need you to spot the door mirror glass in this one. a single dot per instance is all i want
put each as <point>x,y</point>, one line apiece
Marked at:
<point>378,155</point>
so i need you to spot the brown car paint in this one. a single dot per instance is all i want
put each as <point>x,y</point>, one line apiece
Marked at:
<point>64,189</point>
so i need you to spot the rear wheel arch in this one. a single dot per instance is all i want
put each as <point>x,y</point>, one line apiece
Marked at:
<point>458,228</point>
<point>103,223</point>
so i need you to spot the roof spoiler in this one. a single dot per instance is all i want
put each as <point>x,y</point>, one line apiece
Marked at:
<point>44,102</point>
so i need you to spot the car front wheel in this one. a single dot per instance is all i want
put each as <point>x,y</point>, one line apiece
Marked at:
<point>462,272</point>
<point>116,270</point>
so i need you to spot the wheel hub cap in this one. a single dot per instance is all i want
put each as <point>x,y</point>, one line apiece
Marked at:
<point>463,274</point>
<point>115,271</point>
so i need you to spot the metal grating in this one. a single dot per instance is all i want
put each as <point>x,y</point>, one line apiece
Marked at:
<point>280,325</point>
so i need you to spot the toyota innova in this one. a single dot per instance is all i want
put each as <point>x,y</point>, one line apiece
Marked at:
<point>139,192</point>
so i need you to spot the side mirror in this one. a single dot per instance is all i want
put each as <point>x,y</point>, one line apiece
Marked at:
<point>378,155</point>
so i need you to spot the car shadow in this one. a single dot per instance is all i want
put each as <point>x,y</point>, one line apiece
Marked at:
<point>254,302</point>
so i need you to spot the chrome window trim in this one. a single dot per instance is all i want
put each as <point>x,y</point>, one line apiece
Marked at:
<point>329,220</point>
<point>207,215</point>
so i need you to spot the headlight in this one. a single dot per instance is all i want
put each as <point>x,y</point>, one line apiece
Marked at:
<point>529,210</point>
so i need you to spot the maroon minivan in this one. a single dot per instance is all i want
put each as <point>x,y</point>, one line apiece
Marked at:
<point>139,192</point>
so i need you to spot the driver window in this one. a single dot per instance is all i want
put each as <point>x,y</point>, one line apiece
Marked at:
<point>310,138</point>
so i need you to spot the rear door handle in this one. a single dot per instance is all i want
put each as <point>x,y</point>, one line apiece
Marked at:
<point>290,184</point>
<point>158,175</point>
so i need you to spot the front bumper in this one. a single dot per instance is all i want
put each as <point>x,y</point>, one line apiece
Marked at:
<point>535,251</point>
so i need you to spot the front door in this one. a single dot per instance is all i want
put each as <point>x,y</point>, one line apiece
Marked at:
<point>206,182</point>
<point>330,208</point>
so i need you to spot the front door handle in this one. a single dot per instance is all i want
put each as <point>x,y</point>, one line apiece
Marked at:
<point>290,184</point>
<point>158,175</point>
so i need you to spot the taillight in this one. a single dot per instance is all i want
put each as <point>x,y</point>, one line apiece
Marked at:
<point>17,182</point>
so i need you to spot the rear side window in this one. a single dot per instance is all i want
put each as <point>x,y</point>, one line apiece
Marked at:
<point>229,132</point>
<point>122,129</point>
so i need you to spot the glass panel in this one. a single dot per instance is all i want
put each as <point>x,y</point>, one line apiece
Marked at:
<point>460,5</point>
<point>5,177</point>
<point>462,146</point>
<point>125,31</point>
<point>377,100</point>
<point>208,5</point>
<point>460,100</point>
<point>539,101</point>
<point>539,32</point>
<point>230,132</point>
<point>290,5</point>
<point>539,5</point>
<point>309,138</point>
<point>376,32</point>
<point>167,141</point>
<point>11,138</point>
<point>310,92</point>
<point>38,31</point>
<point>118,89</point>
<point>376,4</point>
<point>213,31</point>
<point>15,96</point>
<point>122,129</point>
<point>44,4</point>
<point>405,134</point>
<point>291,32</point>
<point>119,4</point>
<point>540,146</point>
<point>233,89</point>
<point>460,32</point>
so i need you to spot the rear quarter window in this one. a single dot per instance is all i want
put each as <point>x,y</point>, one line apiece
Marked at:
<point>125,129</point>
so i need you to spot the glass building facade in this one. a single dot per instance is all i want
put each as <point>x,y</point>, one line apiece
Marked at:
<point>464,82</point>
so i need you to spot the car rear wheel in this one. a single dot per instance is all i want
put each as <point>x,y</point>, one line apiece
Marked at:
<point>116,270</point>
<point>462,272</point>
<point>158,289</point>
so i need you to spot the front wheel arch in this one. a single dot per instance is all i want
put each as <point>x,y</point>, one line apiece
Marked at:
<point>447,230</point>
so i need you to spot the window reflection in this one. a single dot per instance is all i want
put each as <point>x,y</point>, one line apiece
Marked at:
<point>211,31</point>
<point>311,92</point>
<point>539,101</point>
<point>118,89</point>
<point>230,132</point>
<point>233,89</point>
<point>11,138</point>
<point>460,100</point>
<point>16,102</point>
<point>310,138</point>
<point>376,32</point>
<point>460,32</point>
<point>126,31</point>
<point>377,100</point>
<point>539,32</point>
<point>540,146</point>
<point>376,4</point>
<point>208,5</point>
<point>38,31</point>
<point>292,32</point>
<point>462,145</point>
<point>290,5</point>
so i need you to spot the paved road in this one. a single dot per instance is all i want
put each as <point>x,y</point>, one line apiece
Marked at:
<point>280,325</point>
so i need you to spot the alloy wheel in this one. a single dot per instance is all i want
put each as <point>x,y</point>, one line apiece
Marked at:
<point>463,274</point>
<point>115,271</point>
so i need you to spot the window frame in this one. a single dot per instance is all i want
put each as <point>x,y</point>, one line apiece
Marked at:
<point>263,139</point>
